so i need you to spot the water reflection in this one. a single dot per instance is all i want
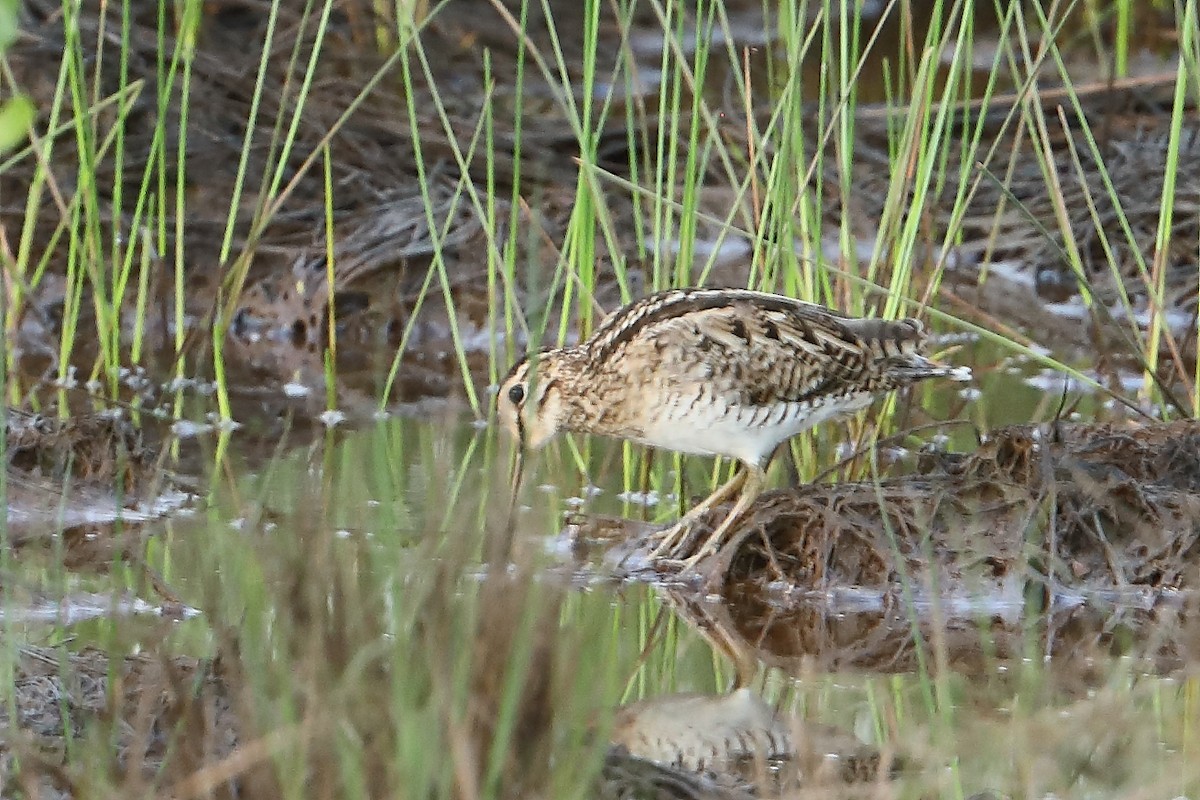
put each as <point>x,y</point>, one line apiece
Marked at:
<point>885,632</point>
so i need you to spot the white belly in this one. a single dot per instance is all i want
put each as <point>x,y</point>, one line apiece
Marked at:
<point>749,434</point>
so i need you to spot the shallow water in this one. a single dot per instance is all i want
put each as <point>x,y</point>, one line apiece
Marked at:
<point>356,518</point>
<point>393,488</point>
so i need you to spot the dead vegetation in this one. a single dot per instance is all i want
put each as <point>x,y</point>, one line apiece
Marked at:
<point>1077,505</point>
<point>90,482</point>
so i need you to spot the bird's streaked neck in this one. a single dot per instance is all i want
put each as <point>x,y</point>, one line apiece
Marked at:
<point>558,375</point>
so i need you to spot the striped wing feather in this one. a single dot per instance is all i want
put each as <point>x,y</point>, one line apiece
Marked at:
<point>762,353</point>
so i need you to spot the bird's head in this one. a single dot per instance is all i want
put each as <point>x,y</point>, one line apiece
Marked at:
<point>530,402</point>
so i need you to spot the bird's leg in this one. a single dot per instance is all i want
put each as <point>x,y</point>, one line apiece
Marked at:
<point>674,536</point>
<point>754,481</point>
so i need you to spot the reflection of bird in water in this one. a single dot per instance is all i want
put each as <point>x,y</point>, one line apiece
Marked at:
<point>627,777</point>
<point>700,732</point>
<point>718,372</point>
<point>736,741</point>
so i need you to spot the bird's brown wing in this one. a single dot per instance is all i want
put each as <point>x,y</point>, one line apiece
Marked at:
<point>757,356</point>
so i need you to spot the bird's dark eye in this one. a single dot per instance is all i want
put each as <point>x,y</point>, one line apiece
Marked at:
<point>516,394</point>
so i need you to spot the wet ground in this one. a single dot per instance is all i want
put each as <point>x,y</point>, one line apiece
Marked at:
<point>995,593</point>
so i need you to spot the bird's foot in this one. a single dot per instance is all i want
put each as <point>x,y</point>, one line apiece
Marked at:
<point>706,569</point>
<point>673,541</point>
<point>679,542</point>
<point>689,564</point>
<point>689,555</point>
<point>677,551</point>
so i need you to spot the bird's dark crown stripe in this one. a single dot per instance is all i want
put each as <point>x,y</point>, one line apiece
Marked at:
<point>527,364</point>
<point>517,367</point>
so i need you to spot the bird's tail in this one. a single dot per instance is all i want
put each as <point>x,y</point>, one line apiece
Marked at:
<point>911,367</point>
<point>898,347</point>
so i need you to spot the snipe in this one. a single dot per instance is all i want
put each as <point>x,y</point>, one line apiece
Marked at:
<point>715,372</point>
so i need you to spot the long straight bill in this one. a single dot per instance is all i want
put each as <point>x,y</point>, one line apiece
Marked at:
<point>515,490</point>
<point>517,476</point>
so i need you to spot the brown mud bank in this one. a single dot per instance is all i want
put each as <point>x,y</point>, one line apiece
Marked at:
<point>1066,506</point>
<point>1089,506</point>
<point>91,483</point>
